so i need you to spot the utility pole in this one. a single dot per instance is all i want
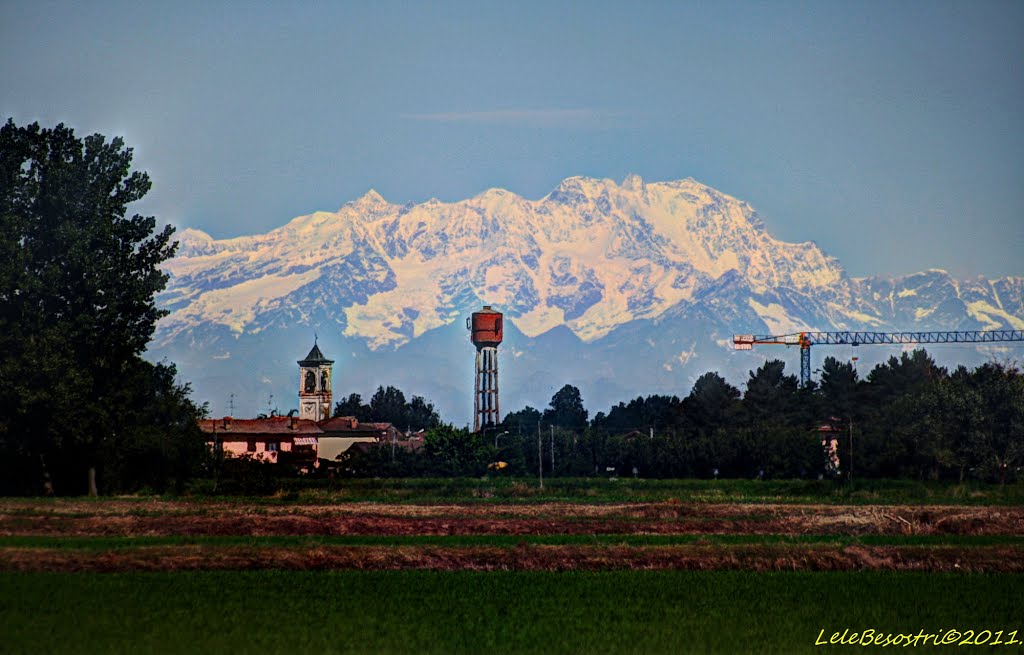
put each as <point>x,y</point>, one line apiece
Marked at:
<point>851,416</point>
<point>851,449</point>
<point>552,450</point>
<point>216,452</point>
<point>540,457</point>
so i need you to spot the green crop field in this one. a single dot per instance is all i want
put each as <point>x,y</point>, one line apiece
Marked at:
<point>497,612</point>
<point>604,490</point>
<point>596,490</point>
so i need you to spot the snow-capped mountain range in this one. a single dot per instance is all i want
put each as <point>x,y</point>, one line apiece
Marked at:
<point>622,289</point>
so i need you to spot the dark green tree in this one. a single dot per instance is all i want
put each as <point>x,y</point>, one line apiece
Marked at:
<point>388,405</point>
<point>353,406</point>
<point>566,409</point>
<point>457,451</point>
<point>906,374</point>
<point>998,448</point>
<point>78,278</point>
<point>840,405</point>
<point>657,412</point>
<point>896,411</point>
<point>776,436</point>
<point>712,404</point>
<point>421,415</point>
<point>771,395</point>
<point>523,421</point>
<point>838,387</point>
<point>156,443</point>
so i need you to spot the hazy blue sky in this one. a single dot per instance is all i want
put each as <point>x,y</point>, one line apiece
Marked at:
<point>892,133</point>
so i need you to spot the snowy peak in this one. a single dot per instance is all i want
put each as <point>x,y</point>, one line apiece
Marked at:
<point>633,182</point>
<point>592,256</point>
<point>370,199</point>
<point>194,243</point>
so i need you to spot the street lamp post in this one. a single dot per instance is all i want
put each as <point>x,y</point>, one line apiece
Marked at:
<point>499,435</point>
<point>540,457</point>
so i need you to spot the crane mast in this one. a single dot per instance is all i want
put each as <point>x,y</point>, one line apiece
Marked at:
<point>812,338</point>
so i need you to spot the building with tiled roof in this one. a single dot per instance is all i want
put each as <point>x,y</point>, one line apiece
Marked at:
<point>342,432</point>
<point>265,439</point>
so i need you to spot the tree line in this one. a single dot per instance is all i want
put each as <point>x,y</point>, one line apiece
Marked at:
<point>908,418</point>
<point>388,405</point>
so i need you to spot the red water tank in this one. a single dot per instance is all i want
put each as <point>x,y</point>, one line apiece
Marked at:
<point>485,329</point>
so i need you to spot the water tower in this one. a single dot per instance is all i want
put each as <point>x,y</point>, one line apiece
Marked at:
<point>485,332</point>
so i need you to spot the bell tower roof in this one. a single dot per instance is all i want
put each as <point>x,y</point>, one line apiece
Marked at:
<point>315,358</point>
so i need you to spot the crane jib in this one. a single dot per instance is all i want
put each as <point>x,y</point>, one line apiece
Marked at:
<point>810,338</point>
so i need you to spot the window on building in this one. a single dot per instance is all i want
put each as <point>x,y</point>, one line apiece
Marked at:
<point>271,446</point>
<point>251,446</point>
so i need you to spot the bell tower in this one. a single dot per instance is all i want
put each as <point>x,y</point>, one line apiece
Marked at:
<point>315,385</point>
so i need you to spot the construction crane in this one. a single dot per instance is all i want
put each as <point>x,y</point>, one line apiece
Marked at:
<point>807,339</point>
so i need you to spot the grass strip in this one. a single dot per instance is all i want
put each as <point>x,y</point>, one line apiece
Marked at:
<point>597,490</point>
<point>604,490</point>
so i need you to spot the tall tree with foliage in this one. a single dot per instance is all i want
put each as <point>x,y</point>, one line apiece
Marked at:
<point>389,406</point>
<point>999,445</point>
<point>457,451</point>
<point>354,406</point>
<point>838,387</point>
<point>157,443</point>
<point>897,411</point>
<point>421,415</point>
<point>77,283</point>
<point>771,395</point>
<point>566,409</point>
<point>523,421</point>
<point>775,430</point>
<point>712,403</point>
<point>653,412</point>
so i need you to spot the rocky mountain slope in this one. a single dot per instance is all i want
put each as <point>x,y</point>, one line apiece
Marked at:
<point>622,289</point>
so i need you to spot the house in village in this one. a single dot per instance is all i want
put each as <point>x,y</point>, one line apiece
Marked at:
<point>313,438</point>
<point>342,432</point>
<point>271,439</point>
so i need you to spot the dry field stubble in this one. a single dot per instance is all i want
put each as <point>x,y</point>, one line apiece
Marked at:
<point>55,524</point>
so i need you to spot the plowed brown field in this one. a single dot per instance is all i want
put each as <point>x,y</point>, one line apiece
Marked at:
<point>52,521</point>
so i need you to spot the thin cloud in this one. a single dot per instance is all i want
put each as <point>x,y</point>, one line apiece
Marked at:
<point>578,118</point>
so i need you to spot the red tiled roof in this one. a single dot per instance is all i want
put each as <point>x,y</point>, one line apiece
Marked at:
<point>275,425</point>
<point>412,445</point>
<point>339,423</point>
<point>349,427</point>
